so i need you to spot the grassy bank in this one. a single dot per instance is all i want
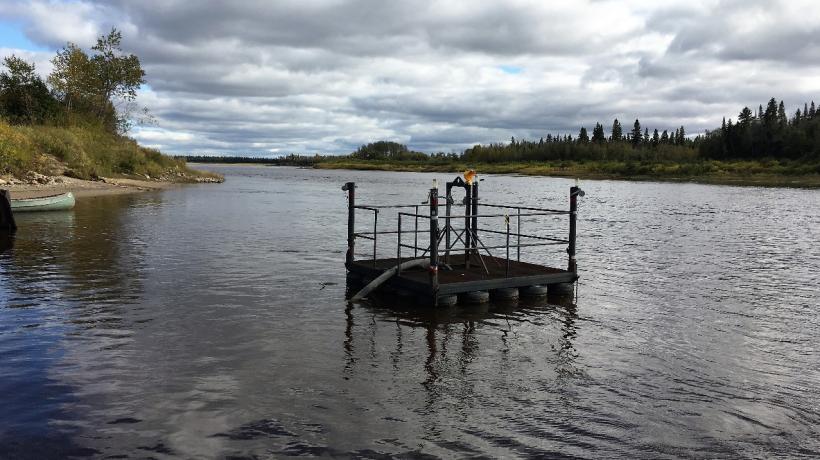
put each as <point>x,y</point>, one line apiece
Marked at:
<point>85,152</point>
<point>764,173</point>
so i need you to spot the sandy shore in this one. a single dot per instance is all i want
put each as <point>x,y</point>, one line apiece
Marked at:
<point>85,188</point>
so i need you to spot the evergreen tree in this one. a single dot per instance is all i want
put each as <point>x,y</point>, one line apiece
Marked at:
<point>681,136</point>
<point>636,135</point>
<point>665,137</point>
<point>812,111</point>
<point>598,136</point>
<point>745,117</point>
<point>782,120</point>
<point>583,138</point>
<point>617,133</point>
<point>655,138</point>
<point>770,115</point>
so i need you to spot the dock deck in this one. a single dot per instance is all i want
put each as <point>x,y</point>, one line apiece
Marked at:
<point>461,279</point>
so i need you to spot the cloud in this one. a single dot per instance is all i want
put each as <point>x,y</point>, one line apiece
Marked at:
<point>256,77</point>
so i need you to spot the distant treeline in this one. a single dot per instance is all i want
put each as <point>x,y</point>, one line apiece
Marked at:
<point>767,134</point>
<point>290,160</point>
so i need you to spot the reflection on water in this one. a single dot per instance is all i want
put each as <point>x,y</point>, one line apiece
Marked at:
<point>211,322</point>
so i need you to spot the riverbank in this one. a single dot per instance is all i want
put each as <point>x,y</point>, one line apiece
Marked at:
<point>743,173</point>
<point>53,185</point>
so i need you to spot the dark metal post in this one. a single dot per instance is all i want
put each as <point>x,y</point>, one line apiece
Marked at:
<point>447,211</point>
<point>375,234</point>
<point>416,234</point>
<point>518,230</point>
<point>474,212</point>
<point>434,243</point>
<point>398,249</point>
<point>507,223</point>
<point>7,224</point>
<point>350,187</point>
<point>468,206</point>
<point>573,210</point>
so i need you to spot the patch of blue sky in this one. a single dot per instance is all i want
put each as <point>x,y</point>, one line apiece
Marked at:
<point>12,36</point>
<point>511,69</point>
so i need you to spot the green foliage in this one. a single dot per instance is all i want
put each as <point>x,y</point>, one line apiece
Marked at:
<point>97,85</point>
<point>382,150</point>
<point>768,135</point>
<point>24,97</point>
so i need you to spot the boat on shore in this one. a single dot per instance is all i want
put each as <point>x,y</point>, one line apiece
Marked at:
<point>60,202</point>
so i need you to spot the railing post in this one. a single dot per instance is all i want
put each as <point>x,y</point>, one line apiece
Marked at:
<point>350,187</point>
<point>518,230</point>
<point>507,223</point>
<point>398,249</point>
<point>434,243</point>
<point>416,234</point>
<point>573,210</point>
<point>447,212</point>
<point>468,206</point>
<point>474,227</point>
<point>375,234</point>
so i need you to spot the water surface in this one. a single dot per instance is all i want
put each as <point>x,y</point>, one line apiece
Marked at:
<point>210,321</point>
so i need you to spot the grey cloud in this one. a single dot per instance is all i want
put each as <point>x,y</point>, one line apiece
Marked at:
<point>324,75</point>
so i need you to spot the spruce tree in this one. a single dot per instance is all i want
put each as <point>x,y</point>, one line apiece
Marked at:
<point>636,135</point>
<point>598,136</point>
<point>782,119</point>
<point>655,138</point>
<point>583,138</point>
<point>665,137</point>
<point>617,133</point>
<point>745,117</point>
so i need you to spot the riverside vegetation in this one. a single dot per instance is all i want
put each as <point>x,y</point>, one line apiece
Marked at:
<point>75,122</point>
<point>765,147</point>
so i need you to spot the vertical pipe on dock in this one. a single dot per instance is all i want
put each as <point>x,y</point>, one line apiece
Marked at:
<point>434,243</point>
<point>375,234</point>
<point>474,227</point>
<point>416,234</point>
<point>398,248</point>
<point>447,211</point>
<point>573,211</point>
<point>507,224</point>
<point>468,206</point>
<point>518,230</point>
<point>350,187</point>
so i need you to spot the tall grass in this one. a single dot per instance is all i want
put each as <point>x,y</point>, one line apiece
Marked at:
<point>85,152</point>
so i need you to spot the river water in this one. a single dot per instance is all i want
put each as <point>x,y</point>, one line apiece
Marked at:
<point>210,321</point>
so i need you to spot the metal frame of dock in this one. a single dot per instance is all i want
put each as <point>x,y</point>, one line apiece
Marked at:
<point>457,261</point>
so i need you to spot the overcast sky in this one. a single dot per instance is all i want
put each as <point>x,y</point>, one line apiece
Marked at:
<point>269,78</point>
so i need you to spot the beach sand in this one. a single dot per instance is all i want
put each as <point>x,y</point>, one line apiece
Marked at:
<point>86,188</point>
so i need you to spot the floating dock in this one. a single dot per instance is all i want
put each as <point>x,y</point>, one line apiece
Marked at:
<point>442,257</point>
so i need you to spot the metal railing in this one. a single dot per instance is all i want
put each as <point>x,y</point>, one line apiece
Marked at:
<point>471,235</point>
